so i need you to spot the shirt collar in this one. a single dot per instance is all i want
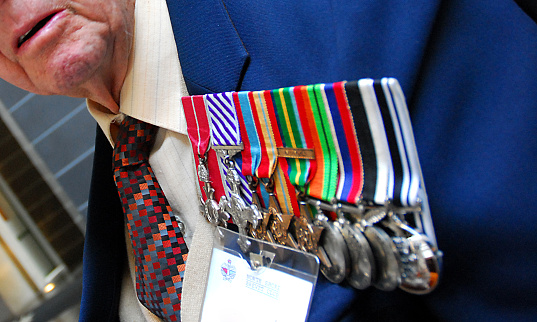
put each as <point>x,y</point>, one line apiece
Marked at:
<point>154,83</point>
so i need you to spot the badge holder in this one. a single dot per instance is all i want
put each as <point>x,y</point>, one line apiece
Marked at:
<point>268,282</point>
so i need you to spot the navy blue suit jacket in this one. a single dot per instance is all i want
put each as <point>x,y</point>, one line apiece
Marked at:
<point>468,69</point>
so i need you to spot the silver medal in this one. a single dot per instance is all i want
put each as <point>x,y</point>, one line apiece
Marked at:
<point>334,245</point>
<point>261,231</point>
<point>361,256</point>
<point>420,265</point>
<point>388,269</point>
<point>209,207</point>
<point>419,258</point>
<point>241,213</point>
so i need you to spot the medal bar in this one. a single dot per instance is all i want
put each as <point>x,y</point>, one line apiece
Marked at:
<point>339,174</point>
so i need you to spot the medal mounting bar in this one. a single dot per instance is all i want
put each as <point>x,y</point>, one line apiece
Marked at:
<point>296,153</point>
<point>348,147</point>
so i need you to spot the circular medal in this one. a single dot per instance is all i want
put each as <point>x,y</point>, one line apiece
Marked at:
<point>334,245</point>
<point>388,270</point>
<point>361,257</point>
<point>420,263</point>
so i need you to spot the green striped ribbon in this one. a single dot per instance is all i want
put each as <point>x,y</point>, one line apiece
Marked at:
<point>324,182</point>
<point>291,133</point>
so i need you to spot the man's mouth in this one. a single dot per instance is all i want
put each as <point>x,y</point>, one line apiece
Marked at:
<point>30,33</point>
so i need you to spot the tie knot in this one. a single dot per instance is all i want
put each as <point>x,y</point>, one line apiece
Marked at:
<point>134,142</point>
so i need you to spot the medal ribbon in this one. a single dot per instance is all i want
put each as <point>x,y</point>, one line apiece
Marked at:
<point>410,190</point>
<point>267,124</point>
<point>323,183</point>
<point>384,177</point>
<point>416,186</point>
<point>365,140</point>
<point>252,145</point>
<point>395,140</point>
<point>225,132</point>
<point>267,162</point>
<point>302,105</point>
<point>292,135</point>
<point>348,151</point>
<point>283,185</point>
<point>251,155</point>
<point>309,102</point>
<point>395,176</point>
<point>199,133</point>
<point>225,125</point>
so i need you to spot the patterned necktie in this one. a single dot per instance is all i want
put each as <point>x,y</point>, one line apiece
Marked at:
<point>159,248</point>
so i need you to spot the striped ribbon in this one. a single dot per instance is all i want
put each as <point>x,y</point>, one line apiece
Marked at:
<point>415,193</point>
<point>224,121</point>
<point>411,186</point>
<point>302,105</point>
<point>310,104</point>
<point>251,155</point>
<point>286,193</point>
<point>266,124</point>
<point>384,177</point>
<point>348,151</point>
<point>397,143</point>
<point>252,144</point>
<point>324,182</point>
<point>245,189</point>
<point>199,133</point>
<point>267,162</point>
<point>391,125</point>
<point>292,135</point>
<point>365,139</point>
<point>225,131</point>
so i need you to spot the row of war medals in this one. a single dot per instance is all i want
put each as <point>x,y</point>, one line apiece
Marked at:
<point>343,157</point>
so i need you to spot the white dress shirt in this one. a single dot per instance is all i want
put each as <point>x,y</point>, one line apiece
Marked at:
<point>152,93</point>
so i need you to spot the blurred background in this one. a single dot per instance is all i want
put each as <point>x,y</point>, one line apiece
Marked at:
<point>46,152</point>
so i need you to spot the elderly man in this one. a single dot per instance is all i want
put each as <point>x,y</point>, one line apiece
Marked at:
<point>467,67</point>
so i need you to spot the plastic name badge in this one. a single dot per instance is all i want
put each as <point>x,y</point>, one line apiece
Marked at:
<point>267,282</point>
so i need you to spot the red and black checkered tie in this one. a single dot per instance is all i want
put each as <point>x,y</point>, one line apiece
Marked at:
<point>159,248</point>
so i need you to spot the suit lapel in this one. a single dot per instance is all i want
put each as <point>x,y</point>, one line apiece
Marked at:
<point>211,53</point>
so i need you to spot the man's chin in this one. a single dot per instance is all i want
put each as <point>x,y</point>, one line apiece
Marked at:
<point>73,66</point>
<point>70,77</point>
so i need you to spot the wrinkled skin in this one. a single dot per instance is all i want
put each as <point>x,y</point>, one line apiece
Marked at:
<point>82,51</point>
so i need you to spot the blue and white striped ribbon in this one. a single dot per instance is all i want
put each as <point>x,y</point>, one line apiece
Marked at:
<point>225,132</point>
<point>402,145</point>
<point>412,183</point>
<point>224,121</point>
<point>416,189</point>
<point>245,190</point>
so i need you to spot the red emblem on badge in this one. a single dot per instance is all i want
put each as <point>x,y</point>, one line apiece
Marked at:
<point>228,271</point>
